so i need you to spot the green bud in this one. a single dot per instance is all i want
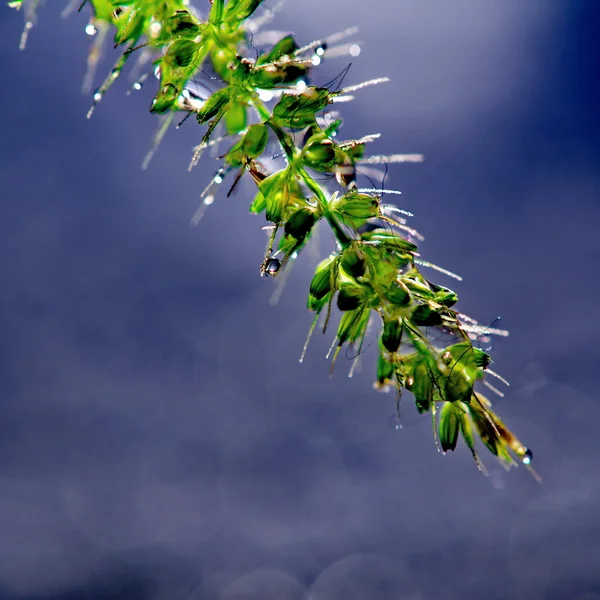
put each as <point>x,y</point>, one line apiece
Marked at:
<point>324,278</point>
<point>165,99</point>
<point>278,74</point>
<point>424,316</point>
<point>235,117</point>
<point>252,145</point>
<point>286,46</point>
<point>352,325</point>
<point>240,10</point>
<point>357,206</point>
<point>300,223</point>
<point>449,426</point>
<point>350,297</point>
<point>398,294</point>
<point>353,262</point>
<point>299,110</point>
<point>392,334</point>
<point>181,53</point>
<point>214,106</point>
<point>182,25</point>
<point>319,153</point>
<point>385,371</point>
<point>419,383</point>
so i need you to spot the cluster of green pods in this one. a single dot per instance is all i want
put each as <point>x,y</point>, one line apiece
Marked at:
<point>263,101</point>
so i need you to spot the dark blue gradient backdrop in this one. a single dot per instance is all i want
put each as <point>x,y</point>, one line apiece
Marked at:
<point>158,437</point>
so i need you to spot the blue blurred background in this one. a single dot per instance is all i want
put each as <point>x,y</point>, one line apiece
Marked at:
<point>158,437</point>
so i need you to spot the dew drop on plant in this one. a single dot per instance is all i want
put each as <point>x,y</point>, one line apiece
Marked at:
<point>90,29</point>
<point>320,50</point>
<point>527,457</point>
<point>272,266</point>
<point>354,50</point>
<point>97,96</point>
<point>137,86</point>
<point>219,176</point>
<point>395,421</point>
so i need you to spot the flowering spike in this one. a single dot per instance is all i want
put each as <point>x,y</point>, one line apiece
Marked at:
<point>261,104</point>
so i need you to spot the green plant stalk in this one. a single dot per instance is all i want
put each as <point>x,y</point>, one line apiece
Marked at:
<point>373,272</point>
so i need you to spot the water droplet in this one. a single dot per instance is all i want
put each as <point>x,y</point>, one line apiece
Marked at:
<point>155,28</point>
<point>272,266</point>
<point>354,50</point>
<point>320,50</point>
<point>137,86</point>
<point>301,85</point>
<point>527,457</point>
<point>97,96</point>
<point>316,60</point>
<point>265,95</point>
<point>219,175</point>
<point>90,29</point>
<point>395,421</point>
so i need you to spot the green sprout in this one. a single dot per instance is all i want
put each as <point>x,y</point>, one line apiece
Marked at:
<point>372,276</point>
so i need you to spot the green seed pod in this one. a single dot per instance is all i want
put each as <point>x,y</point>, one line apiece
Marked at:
<point>252,145</point>
<point>419,383</point>
<point>299,110</point>
<point>449,426</point>
<point>235,117</point>
<point>300,223</point>
<point>280,191</point>
<point>424,316</point>
<point>352,325</point>
<point>357,206</point>
<point>350,297</point>
<point>216,12</point>
<point>319,153</point>
<point>324,277</point>
<point>286,46</point>
<point>239,10</point>
<point>443,295</point>
<point>182,25</point>
<point>398,294</point>
<point>165,99</point>
<point>392,334</point>
<point>278,74</point>
<point>213,106</point>
<point>385,371</point>
<point>353,262</point>
<point>181,53</point>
